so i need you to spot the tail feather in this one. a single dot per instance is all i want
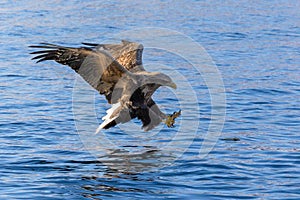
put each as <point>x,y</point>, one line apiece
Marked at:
<point>106,124</point>
<point>111,115</point>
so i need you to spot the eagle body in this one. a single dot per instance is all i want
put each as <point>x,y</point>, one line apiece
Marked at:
<point>115,71</point>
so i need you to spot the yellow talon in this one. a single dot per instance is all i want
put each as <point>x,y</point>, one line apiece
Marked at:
<point>170,120</point>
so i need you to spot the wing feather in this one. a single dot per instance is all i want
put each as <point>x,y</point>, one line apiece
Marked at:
<point>98,68</point>
<point>128,54</point>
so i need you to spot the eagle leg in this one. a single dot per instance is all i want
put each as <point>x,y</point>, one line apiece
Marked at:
<point>125,101</point>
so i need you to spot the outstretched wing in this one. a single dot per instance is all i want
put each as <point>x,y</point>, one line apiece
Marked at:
<point>98,68</point>
<point>128,54</point>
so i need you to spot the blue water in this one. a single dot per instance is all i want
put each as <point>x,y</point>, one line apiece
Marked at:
<point>254,44</point>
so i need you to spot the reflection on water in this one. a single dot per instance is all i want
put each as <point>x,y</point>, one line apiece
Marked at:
<point>124,168</point>
<point>123,161</point>
<point>120,166</point>
<point>97,187</point>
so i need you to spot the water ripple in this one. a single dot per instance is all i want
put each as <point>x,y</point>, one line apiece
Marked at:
<point>256,49</point>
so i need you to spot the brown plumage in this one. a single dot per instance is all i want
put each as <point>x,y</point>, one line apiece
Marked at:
<point>116,71</point>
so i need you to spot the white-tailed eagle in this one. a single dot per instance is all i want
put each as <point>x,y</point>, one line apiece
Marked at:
<point>116,71</point>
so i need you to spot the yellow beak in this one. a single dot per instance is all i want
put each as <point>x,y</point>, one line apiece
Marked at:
<point>173,85</point>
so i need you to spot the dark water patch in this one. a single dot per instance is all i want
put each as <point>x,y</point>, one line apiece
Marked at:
<point>13,76</point>
<point>256,92</point>
<point>234,35</point>
<point>234,139</point>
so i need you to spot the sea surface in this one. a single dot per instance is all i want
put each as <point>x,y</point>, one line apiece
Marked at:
<point>48,115</point>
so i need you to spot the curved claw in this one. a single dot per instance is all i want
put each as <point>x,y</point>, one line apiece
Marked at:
<point>170,120</point>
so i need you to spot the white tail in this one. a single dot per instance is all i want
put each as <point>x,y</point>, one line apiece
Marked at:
<point>109,116</point>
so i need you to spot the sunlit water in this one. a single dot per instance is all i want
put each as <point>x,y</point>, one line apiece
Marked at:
<point>256,48</point>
